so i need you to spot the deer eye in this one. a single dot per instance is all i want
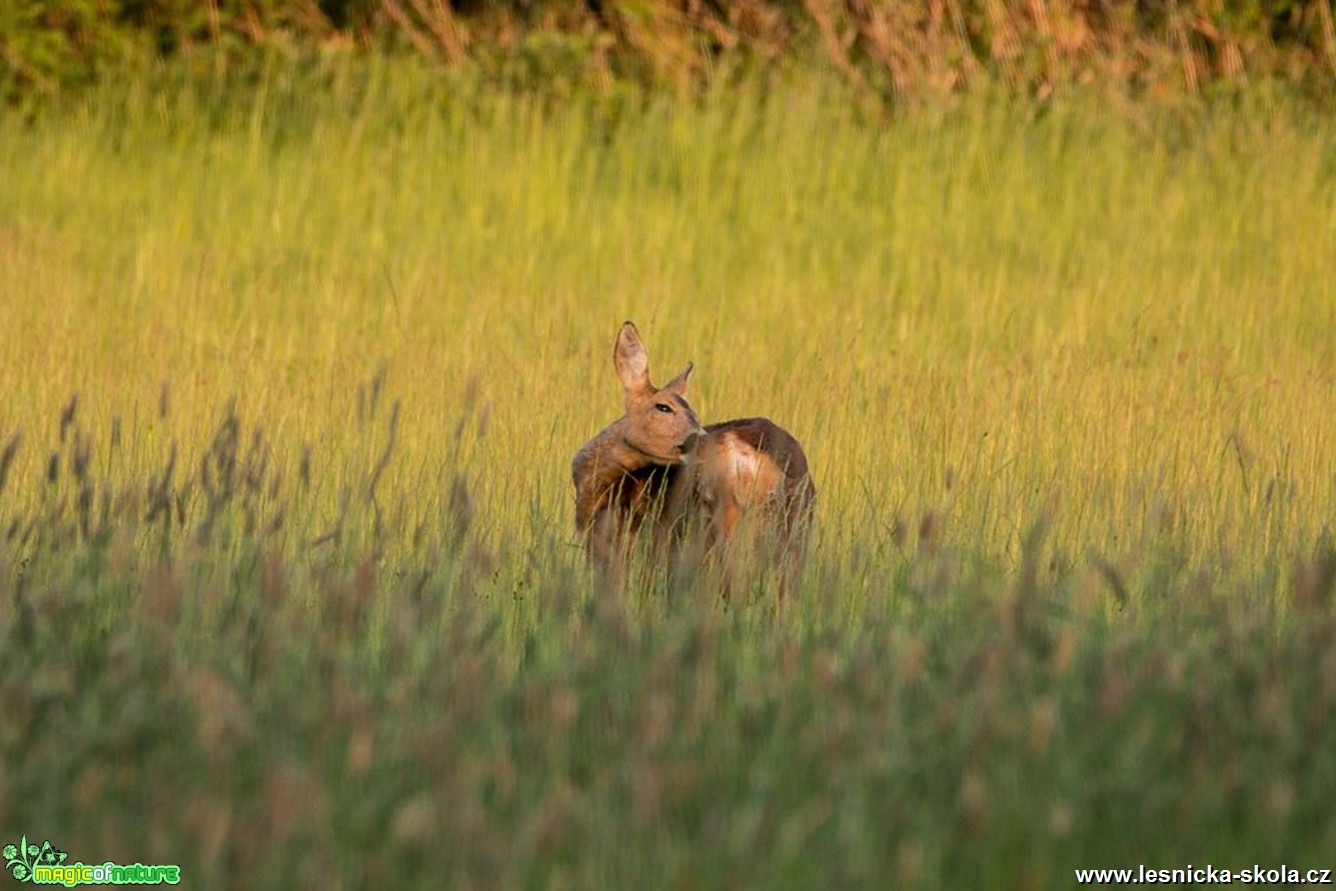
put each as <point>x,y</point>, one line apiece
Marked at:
<point>664,407</point>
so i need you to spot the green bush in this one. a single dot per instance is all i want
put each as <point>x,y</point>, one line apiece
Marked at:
<point>895,53</point>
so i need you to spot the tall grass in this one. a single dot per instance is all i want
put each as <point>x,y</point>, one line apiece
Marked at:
<point>1063,378</point>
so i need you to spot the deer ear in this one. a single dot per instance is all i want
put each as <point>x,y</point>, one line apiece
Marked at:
<point>630,359</point>
<point>678,384</point>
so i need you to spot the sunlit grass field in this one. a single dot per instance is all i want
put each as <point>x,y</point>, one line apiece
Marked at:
<point>291,593</point>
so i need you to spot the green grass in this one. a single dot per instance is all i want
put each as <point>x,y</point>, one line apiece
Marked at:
<point>1063,378</point>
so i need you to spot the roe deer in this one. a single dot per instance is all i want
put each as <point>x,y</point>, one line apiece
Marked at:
<point>739,485</point>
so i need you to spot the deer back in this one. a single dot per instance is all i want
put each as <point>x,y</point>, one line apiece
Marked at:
<point>748,478</point>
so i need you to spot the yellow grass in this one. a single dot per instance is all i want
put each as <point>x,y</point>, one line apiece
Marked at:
<point>1125,327</point>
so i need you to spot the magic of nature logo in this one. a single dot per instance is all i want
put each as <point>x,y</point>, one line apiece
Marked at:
<point>44,864</point>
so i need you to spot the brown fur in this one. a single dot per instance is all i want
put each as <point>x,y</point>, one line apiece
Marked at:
<point>750,493</point>
<point>622,473</point>
<point>752,464</point>
<point>741,486</point>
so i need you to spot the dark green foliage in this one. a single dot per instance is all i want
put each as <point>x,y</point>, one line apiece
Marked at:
<point>893,53</point>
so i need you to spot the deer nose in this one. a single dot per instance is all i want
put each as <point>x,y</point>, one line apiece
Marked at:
<point>689,444</point>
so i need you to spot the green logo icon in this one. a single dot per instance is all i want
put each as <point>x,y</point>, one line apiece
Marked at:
<point>45,865</point>
<point>23,859</point>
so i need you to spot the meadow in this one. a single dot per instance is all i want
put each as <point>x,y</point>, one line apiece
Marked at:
<point>290,592</point>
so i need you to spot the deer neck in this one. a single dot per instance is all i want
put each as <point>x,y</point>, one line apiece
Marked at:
<point>614,456</point>
<point>602,463</point>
